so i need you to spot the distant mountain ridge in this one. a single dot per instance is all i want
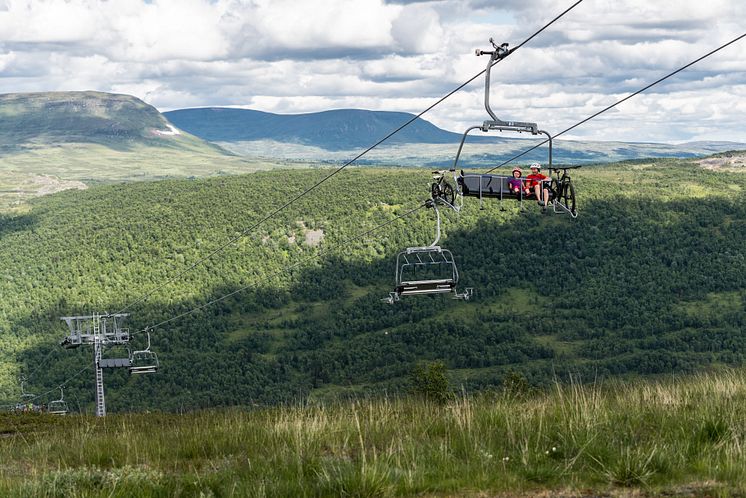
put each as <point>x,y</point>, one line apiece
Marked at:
<point>74,138</point>
<point>334,135</point>
<point>338,129</point>
<point>64,117</point>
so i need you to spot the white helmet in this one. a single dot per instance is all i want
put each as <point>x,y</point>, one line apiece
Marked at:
<point>535,165</point>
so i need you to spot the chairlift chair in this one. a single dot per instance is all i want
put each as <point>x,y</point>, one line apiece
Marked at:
<point>426,270</point>
<point>26,397</point>
<point>481,186</point>
<point>27,402</point>
<point>143,362</point>
<point>58,406</point>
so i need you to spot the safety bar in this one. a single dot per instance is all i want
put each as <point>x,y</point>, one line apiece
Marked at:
<point>468,130</point>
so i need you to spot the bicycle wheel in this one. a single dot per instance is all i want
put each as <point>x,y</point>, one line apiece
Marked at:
<point>448,194</point>
<point>568,198</point>
<point>555,190</point>
<point>443,191</point>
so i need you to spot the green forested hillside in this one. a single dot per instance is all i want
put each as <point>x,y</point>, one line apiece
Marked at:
<point>649,279</point>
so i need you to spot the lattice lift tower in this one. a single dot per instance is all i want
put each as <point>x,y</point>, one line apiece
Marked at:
<point>100,331</point>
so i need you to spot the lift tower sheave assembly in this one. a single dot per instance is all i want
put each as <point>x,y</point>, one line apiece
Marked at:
<point>100,331</point>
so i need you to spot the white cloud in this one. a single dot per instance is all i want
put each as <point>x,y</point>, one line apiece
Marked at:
<point>290,56</point>
<point>327,23</point>
<point>50,22</point>
<point>417,29</point>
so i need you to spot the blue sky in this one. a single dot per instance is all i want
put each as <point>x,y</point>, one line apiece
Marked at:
<point>303,56</point>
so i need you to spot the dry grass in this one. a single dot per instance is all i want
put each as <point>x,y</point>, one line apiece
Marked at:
<point>684,438</point>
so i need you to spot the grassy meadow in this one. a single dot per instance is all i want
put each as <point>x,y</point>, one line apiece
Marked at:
<point>23,173</point>
<point>682,437</point>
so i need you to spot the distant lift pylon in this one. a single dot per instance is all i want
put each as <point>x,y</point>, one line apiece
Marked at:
<point>102,331</point>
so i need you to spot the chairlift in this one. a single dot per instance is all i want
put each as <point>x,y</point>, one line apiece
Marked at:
<point>561,192</point>
<point>426,270</point>
<point>26,397</point>
<point>58,406</point>
<point>27,403</point>
<point>143,362</point>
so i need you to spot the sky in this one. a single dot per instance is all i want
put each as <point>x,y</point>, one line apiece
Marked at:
<point>397,55</point>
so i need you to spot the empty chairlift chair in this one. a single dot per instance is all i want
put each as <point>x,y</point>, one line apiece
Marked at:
<point>143,362</point>
<point>426,270</point>
<point>58,406</point>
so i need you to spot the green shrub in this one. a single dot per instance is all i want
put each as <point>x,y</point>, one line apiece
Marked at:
<point>430,381</point>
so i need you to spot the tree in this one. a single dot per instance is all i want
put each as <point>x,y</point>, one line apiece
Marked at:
<point>429,380</point>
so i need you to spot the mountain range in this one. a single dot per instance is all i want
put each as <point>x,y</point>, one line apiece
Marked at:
<point>52,141</point>
<point>337,135</point>
<point>338,129</point>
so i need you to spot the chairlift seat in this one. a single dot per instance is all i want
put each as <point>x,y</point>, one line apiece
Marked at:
<point>57,407</point>
<point>441,281</point>
<point>143,370</point>
<point>425,287</point>
<point>143,362</point>
<point>492,186</point>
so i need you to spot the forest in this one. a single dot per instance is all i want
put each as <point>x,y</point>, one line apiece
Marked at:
<point>648,280</point>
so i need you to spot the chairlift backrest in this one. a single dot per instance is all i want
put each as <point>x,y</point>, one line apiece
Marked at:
<point>426,264</point>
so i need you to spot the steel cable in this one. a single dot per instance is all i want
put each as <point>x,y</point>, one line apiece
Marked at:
<point>619,102</point>
<point>338,170</point>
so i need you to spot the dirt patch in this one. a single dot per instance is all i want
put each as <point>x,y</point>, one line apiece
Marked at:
<point>312,238</point>
<point>691,490</point>
<point>50,184</point>
<point>734,162</point>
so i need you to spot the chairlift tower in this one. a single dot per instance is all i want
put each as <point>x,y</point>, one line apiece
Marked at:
<point>100,331</point>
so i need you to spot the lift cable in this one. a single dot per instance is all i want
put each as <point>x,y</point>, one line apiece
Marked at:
<point>348,240</point>
<point>619,102</point>
<point>42,363</point>
<point>63,384</point>
<point>237,291</point>
<point>336,171</point>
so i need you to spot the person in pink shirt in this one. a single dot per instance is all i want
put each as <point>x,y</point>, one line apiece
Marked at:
<point>515,184</point>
